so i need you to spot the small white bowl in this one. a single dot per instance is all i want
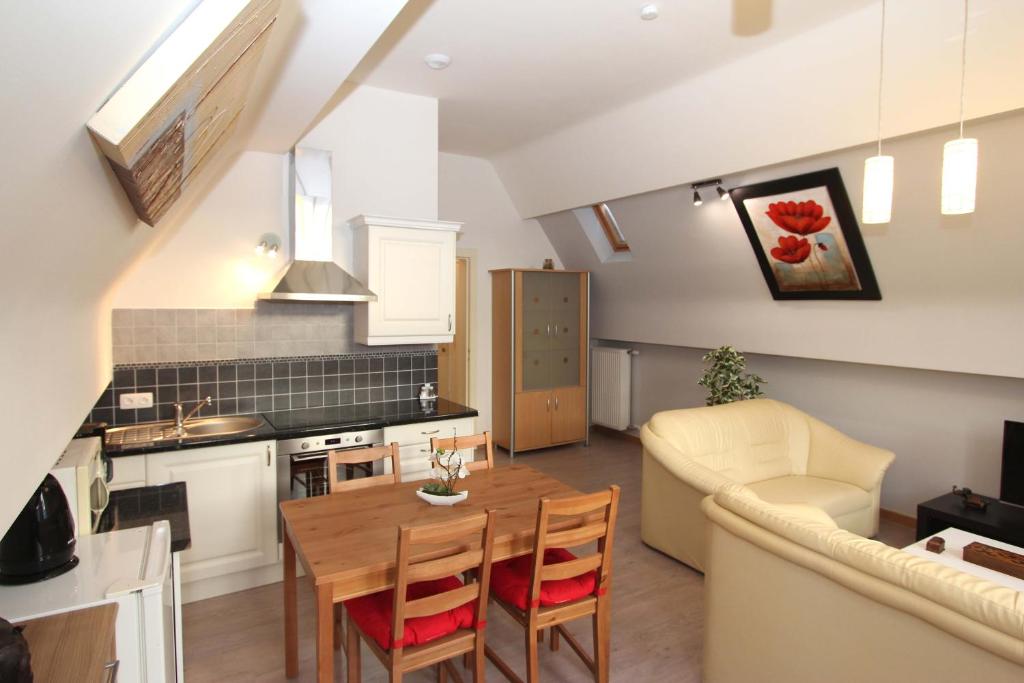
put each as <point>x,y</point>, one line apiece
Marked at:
<point>442,500</point>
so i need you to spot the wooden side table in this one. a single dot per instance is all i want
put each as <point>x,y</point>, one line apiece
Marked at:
<point>999,521</point>
<point>74,647</point>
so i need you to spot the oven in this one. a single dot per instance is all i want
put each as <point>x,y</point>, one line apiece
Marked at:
<point>302,463</point>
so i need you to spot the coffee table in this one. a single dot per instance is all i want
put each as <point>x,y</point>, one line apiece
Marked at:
<point>953,555</point>
<point>1000,521</point>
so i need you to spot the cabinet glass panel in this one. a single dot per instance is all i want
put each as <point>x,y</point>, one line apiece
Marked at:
<point>536,370</point>
<point>564,291</point>
<point>536,330</point>
<point>536,292</point>
<point>565,367</point>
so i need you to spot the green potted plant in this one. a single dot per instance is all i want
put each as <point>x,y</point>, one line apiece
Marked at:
<point>447,470</point>
<point>726,380</point>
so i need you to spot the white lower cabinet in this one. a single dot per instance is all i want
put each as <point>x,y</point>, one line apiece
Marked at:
<point>414,443</point>
<point>232,503</point>
<point>129,472</point>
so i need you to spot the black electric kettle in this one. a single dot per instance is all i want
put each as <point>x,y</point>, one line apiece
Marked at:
<point>41,542</point>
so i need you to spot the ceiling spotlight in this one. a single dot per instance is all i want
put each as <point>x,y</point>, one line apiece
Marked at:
<point>722,193</point>
<point>272,252</point>
<point>261,248</point>
<point>715,182</point>
<point>437,61</point>
<point>649,12</point>
<point>697,201</point>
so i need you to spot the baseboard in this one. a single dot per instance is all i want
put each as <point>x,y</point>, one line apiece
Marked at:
<point>608,431</point>
<point>898,518</point>
<point>231,583</point>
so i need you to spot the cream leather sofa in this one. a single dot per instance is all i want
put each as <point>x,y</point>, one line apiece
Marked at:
<point>779,452</point>
<point>791,597</point>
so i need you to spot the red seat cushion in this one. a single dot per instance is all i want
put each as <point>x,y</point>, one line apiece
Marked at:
<point>375,613</point>
<point>510,581</point>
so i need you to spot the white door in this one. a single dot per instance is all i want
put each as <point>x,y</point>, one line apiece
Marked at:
<point>413,274</point>
<point>232,498</point>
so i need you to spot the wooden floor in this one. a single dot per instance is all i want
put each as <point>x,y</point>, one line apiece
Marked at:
<point>657,610</point>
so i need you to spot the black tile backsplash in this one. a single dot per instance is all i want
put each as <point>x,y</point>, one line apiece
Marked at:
<point>240,387</point>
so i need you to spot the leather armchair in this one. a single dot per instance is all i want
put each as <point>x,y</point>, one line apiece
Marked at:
<point>780,453</point>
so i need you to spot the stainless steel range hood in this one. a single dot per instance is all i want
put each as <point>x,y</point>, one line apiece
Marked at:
<point>313,275</point>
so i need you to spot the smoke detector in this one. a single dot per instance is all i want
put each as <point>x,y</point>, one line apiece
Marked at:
<point>437,61</point>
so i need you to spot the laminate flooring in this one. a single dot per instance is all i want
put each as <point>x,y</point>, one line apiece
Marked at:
<point>657,608</point>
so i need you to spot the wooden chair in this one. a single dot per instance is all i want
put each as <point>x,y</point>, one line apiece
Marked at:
<point>350,459</point>
<point>363,456</point>
<point>553,586</point>
<point>458,443</point>
<point>430,616</point>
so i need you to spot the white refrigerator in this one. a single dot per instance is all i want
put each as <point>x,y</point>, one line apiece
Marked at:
<point>134,568</point>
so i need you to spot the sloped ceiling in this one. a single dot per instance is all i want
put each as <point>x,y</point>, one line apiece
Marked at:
<point>68,229</point>
<point>523,69</point>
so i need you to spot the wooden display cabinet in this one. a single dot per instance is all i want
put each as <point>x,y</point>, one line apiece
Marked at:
<point>540,357</point>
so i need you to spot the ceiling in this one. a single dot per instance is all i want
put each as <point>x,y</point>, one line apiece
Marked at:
<point>523,69</point>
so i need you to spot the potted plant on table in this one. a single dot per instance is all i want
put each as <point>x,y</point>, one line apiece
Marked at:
<point>725,379</point>
<point>447,470</point>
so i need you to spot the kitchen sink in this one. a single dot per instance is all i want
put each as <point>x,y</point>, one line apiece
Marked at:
<point>149,432</point>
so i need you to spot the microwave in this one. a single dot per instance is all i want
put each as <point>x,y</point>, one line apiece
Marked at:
<point>81,471</point>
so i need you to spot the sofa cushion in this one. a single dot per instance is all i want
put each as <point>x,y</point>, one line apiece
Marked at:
<point>834,497</point>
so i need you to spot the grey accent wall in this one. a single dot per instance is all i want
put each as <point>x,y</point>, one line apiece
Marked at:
<point>945,428</point>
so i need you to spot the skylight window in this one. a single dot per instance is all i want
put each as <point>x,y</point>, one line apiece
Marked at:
<point>603,232</point>
<point>610,227</point>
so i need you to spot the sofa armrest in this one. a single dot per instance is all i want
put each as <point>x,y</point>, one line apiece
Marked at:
<point>833,455</point>
<point>699,477</point>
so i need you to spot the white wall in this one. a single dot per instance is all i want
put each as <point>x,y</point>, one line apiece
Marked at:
<point>209,262</point>
<point>952,291</point>
<point>812,93</point>
<point>67,227</point>
<point>945,428</point>
<point>384,146</point>
<point>496,237</point>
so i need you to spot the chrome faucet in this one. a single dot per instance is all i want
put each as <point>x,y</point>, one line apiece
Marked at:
<point>179,421</point>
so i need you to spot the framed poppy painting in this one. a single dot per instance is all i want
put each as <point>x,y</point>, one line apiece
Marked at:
<point>806,238</point>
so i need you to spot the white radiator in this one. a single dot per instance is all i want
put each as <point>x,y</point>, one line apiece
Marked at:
<point>609,387</point>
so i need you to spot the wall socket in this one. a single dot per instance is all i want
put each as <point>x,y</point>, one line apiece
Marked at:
<point>141,400</point>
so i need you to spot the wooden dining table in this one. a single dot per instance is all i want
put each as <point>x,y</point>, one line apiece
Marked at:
<point>347,542</point>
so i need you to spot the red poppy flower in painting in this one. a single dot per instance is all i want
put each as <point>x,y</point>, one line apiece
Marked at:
<point>801,218</point>
<point>792,249</point>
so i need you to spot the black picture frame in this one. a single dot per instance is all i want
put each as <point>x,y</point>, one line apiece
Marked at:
<point>844,274</point>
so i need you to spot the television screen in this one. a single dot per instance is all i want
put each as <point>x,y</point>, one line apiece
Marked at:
<point>1012,488</point>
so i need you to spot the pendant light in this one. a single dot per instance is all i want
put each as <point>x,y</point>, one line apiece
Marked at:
<point>960,156</point>
<point>879,169</point>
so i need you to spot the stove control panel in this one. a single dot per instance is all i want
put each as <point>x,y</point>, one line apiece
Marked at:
<point>327,442</point>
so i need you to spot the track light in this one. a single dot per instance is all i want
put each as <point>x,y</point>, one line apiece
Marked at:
<point>261,248</point>
<point>716,183</point>
<point>272,252</point>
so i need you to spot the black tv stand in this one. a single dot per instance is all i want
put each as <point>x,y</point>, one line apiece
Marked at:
<point>999,521</point>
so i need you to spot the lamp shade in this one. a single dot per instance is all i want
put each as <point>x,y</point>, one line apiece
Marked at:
<point>959,175</point>
<point>878,181</point>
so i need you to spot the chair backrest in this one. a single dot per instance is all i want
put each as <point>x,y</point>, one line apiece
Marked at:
<point>458,443</point>
<point>745,441</point>
<point>361,456</point>
<point>592,518</point>
<point>454,547</point>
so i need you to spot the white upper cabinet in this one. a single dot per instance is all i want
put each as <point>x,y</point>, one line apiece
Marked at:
<point>410,266</point>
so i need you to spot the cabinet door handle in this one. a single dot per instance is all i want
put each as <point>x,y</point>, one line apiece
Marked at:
<point>548,402</point>
<point>449,322</point>
<point>268,455</point>
<point>556,403</point>
<point>548,333</point>
<point>111,669</point>
<point>430,432</point>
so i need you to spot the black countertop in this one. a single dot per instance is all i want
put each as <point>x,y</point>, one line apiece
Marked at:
<point>138,507</point>
<point>289,424</point>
